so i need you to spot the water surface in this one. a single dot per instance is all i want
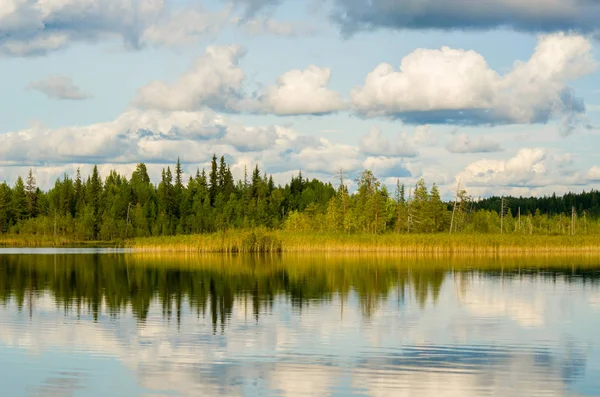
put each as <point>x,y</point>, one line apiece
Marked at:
<point>99,323</point>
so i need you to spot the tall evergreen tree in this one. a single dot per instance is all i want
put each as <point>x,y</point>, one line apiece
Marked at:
<point>31,192</point>
<point>213,180</point>
<point>19,200</point>
<point>5,207</point>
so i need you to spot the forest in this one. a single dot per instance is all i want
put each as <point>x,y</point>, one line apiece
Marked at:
<point>116,207</point>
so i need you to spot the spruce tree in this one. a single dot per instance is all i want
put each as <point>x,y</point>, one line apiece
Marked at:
<point>213,181</point>
<point>31,192</point>
<point>5,207</point>
<point>438,209</point>
<point>19,200</point>
<point>94,201</point>
<point>79,192</point>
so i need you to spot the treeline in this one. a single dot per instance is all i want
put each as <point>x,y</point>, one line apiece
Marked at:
<point>584,203</point>
<point>118,207</point>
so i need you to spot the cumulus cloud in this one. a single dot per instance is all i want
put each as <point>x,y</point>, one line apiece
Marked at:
<point>160,137</point>
<point>249,139</point>
<point>34,27</point>
<point>59,87</point>
<point>328,157</point>
<point>536,16</point>
<point>593,174</point>
<point>528,168</point>
<point>133,136</point>
<point>564,160</point>
<point>456,86</point>
<point>215,81</point>
<point>385,167</point>
<point>375,144</point>
<point>463,143</point>
<point>302,92</point>
<point>425,136</point>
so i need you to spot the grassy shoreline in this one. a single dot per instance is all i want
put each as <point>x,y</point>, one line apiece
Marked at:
<point>31,241</point>
<point>262,241</point>
<point>279,241</point>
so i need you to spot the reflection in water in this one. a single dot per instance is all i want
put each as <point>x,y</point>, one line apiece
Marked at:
<point>298,325</point>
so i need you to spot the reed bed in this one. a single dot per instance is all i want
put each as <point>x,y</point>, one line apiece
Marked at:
<point>263,241</point>
<point>44,241</point>
<point>34,241</point>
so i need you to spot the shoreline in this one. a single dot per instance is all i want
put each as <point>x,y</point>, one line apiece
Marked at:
<point>262,241</point>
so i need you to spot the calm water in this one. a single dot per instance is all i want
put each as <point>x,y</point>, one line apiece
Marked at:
<point>105,323</point>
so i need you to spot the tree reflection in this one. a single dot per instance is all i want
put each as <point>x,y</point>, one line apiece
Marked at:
<point>211,285</point>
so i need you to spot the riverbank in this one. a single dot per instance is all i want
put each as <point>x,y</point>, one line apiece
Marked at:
<point>45,242</point>
<point>262,241</point>
<point>279,241</point>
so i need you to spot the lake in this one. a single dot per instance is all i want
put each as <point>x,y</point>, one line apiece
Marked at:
<point>86,322</point>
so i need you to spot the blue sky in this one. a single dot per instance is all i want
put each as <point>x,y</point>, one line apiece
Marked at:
<point>504,98</point>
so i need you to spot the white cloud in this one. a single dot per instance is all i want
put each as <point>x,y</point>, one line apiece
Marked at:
<point>375,144</point>
<point>59,87</point>
<point>458,86</point>
<point>593,174</point>
<point>215,81</point>
<point>252,138</point>
<point>425,136</point>
<point>156,137</point>
<point>563,160</point>
<point>462,143</point>
<point>527,168</point>
<point>129,138</point>
<point>385,167</point>
<point>33,27</point>
<point>302,92</point>
<point>328,157</point>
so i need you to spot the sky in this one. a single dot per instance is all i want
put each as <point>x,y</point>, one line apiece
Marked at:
<point>501,97</point>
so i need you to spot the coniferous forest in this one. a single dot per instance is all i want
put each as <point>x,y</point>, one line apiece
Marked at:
<point>116,207</point>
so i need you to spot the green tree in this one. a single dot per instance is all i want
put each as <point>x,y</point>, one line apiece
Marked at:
<point>19,200</point>
<point>31,193</point>
<point>5,207</point>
